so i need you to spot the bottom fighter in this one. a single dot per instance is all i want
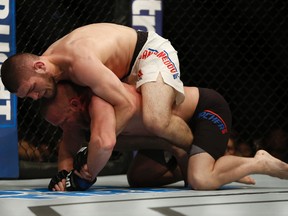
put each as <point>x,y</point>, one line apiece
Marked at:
<point>205,167</point>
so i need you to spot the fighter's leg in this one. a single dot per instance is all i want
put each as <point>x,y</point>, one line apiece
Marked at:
<point>158,99</point>
<point>207,174</point>
<point>204,173</point>
<point>211,126</point>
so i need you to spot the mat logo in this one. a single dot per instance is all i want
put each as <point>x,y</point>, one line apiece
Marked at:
<point>147,15</point>
<point>7,47</point>
<point>43,193</point>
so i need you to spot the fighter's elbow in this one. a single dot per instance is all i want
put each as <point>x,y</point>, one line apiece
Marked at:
<point>126,110</point>
<point>105,143</point>
<point>131,107</point>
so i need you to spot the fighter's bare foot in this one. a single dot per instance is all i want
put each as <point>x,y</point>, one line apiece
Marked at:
<point>271,165</point>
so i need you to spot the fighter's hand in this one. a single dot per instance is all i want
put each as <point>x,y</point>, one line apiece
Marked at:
<point>79,178</point>
<point>80,164</point>
<point>84,173</point>
<point>76,183</point>
<point>57,183</point>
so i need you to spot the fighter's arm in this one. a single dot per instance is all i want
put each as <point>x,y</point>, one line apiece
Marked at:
<point>71,142</point>
<point>103,136</point>
<point>91,72</point>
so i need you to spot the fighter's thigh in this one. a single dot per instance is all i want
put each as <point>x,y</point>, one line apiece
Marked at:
<point>212,124</point>
<point>157,97</point>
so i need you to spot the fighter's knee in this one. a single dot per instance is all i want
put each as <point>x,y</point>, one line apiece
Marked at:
<point>200,182</point>
<point>195,182</point>
<point>156,124</point>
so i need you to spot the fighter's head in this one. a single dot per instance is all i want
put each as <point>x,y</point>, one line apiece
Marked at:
<point>68,107</point>
<point>27,75</point>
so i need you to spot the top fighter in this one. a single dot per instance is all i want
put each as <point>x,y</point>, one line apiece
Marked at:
<point>99,56</point>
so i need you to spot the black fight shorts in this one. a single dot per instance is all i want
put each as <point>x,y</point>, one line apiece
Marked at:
<point>210,124</point>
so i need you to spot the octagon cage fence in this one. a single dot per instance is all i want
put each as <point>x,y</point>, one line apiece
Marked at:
<point>238,48</point>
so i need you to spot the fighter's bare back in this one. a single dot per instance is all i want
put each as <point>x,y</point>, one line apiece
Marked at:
<point>112,44</point>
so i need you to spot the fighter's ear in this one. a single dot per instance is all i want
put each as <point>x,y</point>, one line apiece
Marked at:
<point>39,67</point>
<point>75,104</point>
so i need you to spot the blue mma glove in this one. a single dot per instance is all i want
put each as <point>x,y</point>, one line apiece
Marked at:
<point>75,183</point>
<point>57,178</point>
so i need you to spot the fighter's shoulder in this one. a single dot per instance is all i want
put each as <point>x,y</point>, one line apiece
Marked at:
<point>60,46</point>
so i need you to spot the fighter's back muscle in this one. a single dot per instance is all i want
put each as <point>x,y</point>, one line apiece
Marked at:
<point>112,44</point>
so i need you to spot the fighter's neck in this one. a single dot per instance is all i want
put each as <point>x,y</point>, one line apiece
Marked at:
<point>57,67</point>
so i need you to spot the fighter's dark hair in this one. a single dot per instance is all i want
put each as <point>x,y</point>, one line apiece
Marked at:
<point>14,69</point>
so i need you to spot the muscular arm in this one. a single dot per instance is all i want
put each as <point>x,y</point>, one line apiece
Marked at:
<point>105,84</point>
<point>103,137</point>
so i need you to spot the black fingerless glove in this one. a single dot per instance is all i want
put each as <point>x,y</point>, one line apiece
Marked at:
<point>80,159</point>
<point>75,183</point>
<point>57,178</point>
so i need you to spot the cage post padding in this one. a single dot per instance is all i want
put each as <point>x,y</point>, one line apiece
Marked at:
<point>9,164</point>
